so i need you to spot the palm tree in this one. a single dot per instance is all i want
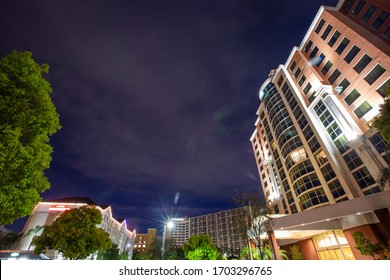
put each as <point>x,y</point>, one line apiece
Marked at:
<point>33,232</point>
<point>384,177</point>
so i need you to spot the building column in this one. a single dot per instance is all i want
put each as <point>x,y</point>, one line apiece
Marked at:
<point>274,244</point>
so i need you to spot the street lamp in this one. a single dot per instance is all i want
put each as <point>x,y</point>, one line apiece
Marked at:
<point>168,225</point>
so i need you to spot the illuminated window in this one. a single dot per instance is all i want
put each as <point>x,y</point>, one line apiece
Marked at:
<point>362,109</point>
<point>298,155</point>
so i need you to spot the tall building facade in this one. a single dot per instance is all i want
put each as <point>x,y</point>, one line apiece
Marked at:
<point>45,213</point>
<point>179,232</point>
<point>314,142</point>
<point>144,240</point>
<point>222,227</point>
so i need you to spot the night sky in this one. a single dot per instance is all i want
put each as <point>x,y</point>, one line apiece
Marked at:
<point>155,97</point>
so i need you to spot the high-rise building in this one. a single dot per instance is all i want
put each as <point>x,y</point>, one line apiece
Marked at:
<point>314,143</point>
<point>178,232</point>
<point>45,213</point>
<point>222,227</point>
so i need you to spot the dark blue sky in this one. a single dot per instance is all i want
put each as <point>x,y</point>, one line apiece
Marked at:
<point>155,97</point>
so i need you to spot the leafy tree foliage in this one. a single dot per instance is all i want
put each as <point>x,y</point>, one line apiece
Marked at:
<point>295,251</point>
<point>8,239</point>
<point>74,234</point>
<point>199,247</point>
<point>111,253</point>
<point>33,232</point>
<point>365,246</point>
<point>253,218</point>
<point>268,253</point>
<point>27,119</point>
<point>382,124</point>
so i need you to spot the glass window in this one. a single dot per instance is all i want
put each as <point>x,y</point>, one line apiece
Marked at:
<point>327,31</point>
<point>326,67</point>
<point>387,32</point>
<point>353,160</point>
<point>319,59</point>
<point>380,20</point>
<point>334,38</point>
<point>336,189</point>
<point>319,26</point>
<point>370,11</point>
<point>307,88</point>
<point>382,89</point>
<point>351,54</point>
<point>342,86</point>
<point>332,78</point>
<point>358,7</point>
<point>313,52</point>
<point>344,43</point>
<point>312,97</point>
<point>302,80</point>
<point>362,109</point>
<point>374,74</point>
<point>293,66</point>
<point>363,62</point>
<point>348,5</point>
<point>308,46</point>
<point>297,73</point>
<point>352,97</point>
<point>363,178</point>
<point>341,144</point>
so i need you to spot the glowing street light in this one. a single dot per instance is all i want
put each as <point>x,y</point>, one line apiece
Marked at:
<point>168,225</point>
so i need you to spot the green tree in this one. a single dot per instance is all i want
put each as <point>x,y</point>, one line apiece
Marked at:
<point>27,119</point>
<point>268,253</point>
<point>199,247</point>
<point>253,218</point>
<point>75,234</point>
<point>111,253</point>
<point>365,246</point>
<point>295,251</point>
<point>8,239</point>
<point>382,124</point>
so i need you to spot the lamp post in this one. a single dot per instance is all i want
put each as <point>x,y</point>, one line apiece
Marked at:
<point>168,225</point>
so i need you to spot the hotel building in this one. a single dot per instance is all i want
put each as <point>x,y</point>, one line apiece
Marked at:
<point>45,213</point>
<point>144,240</point>
<point>317,153</point>
<point>222,227</point>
